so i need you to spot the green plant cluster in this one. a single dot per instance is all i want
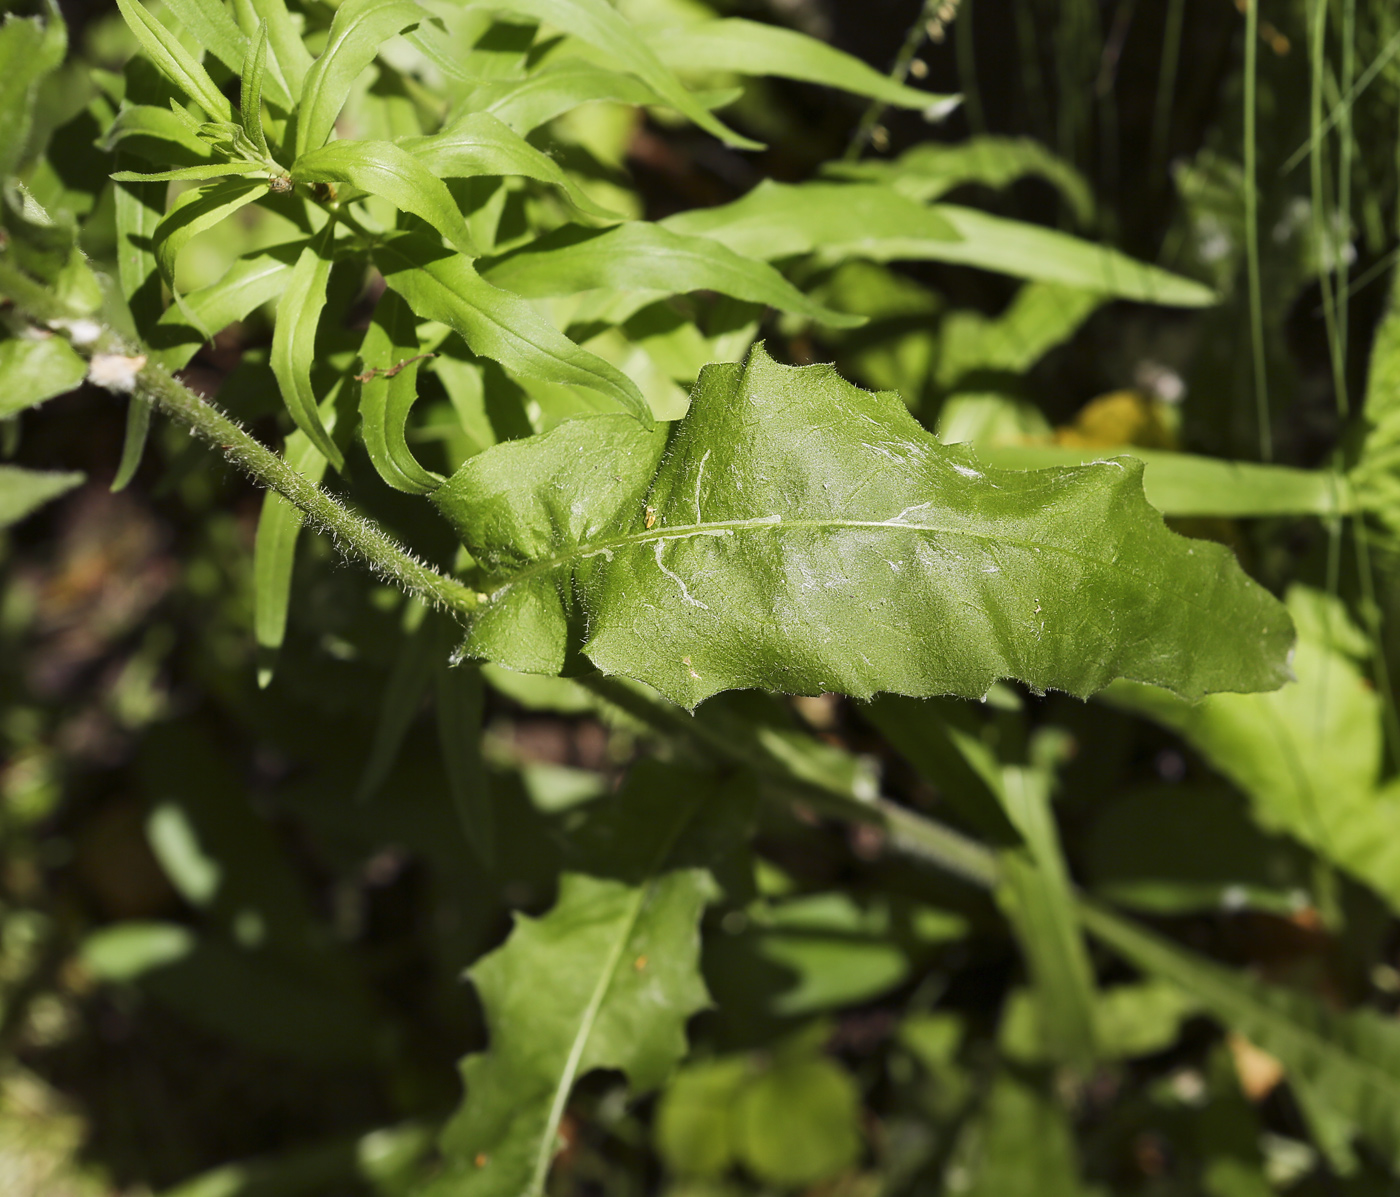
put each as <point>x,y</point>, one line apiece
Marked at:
<point>974,806</point>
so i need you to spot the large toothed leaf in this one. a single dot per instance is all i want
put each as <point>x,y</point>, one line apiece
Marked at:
<point>868,220</point>
<point>360,27</point>
<point>751,48</point>
<point>443,286</point>
<point>601,25</point>
<point>805,536</point>
<point>384,169</point>
<point>481,144</point>
<point>648,257</point>
<point>1308,755</point>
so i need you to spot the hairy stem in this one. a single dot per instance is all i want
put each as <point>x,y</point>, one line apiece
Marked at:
<point>122,369</point>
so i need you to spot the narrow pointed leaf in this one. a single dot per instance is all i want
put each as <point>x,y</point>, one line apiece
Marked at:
<point>294,342</point>
<point>249,283</point>
<point>865,220</point>
<point>599,24</point>
<point>384,169</point>
<point>751,48</point>
<point>935,168</point>
<point>207,170</point>
<point>1346,1063</point>
<point>196,211</point>
<point>480,144</point>
<point>360,27</point>
<point>805,536</point>
<point>32,371</point>
<point>175,61</point>
<point>274,555</point>
<point>641,256</point>
<point>138,426</point>
<point>387,353</point>
<point>158,135</point>
<point>23,492</point>
<point>215,30</point>
<point>443,286</point>
<point>250,100</point>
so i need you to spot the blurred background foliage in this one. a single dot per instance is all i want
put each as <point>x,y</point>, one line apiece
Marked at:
<point>234,921</point>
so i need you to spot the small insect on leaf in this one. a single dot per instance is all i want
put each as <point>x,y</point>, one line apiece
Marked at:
<point>651,516</point>
<point>279,184</point>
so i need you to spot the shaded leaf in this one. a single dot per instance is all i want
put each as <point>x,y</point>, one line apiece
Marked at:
<point>802,535</point>
<point>23,492</point>
<point>387,354</point>
<point>157,135</point>
<point>641,256</point>
<point>460,709</point>
<point>29,50</point>
<point>359,28</point>
<point>196,211</point>
<point>443,286</point>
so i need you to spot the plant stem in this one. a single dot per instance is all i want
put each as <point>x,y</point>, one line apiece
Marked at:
<point>1251,230</point>
<point>353,534</point>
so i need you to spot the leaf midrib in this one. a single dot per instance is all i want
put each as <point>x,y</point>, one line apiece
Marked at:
<point>585,549</point>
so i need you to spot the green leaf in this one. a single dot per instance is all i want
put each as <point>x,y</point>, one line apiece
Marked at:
<point>525,104</point>
<point>250,282</point>
<point>599,24</point>
<point>1182,484</point>
<point>460,697</point>
<point>213,29</point>
<point>274,554</point>
<point>443,286</point>
<point>175,61</point>
<point>1040,317</point>
<point>1346,1063</point>
<point>387,354</point>
<point>606,979</point>
<point>838,221</point>
<point>207,170</point>
<point>1037,897</point>
<point>25,491</point>
<point>138,426</point>
<point>804,536</point>
<point>195,211</point>
<point>382,168</point>
<point>798,1123</point>
<point>934,168</point>
<point>480,144</point>
<point>1309,755</point>
<point>254,70</point>
<point>359,28</point>
<point>294,341</point>
<point>641,256</point>
<point>751,48</point>
<point>32,371</point>
<point>414,662</point>
<point>29,50</point>
<point>289,52</point>
<point>157,135</point>
<point>1131,1020</point>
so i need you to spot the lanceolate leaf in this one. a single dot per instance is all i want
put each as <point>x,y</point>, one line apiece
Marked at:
<point>294,341</point>
<point>649,257</point>
<point>480,144</point>
<point>360,27</point>
<point>250,99</point>
<point>175,61</point>
<point>804,536</point>
<point>750,48</point>
<point>216,31</point>
<point>601,25</point>
<point>867,220</point>
<point>382,168</point>
<point>443,286</point>
<point>388,356</point>
<point>934,168</point>
<point>25,491</point>
<point>206,170</point>
<point>1347,1065</point>
<point>157,135</point>
<point>194,212</point>
<point>289,53</point>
